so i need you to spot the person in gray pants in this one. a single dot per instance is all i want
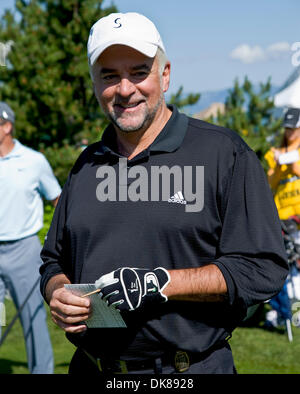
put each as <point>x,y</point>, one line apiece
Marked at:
<point>25,178</point>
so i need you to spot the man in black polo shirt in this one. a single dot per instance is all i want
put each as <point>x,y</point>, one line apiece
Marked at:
<point>171,217</point>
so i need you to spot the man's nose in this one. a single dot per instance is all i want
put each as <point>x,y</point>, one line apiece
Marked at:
<point>126,88</point>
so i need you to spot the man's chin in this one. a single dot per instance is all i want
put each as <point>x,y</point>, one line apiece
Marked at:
<point>129,127</point>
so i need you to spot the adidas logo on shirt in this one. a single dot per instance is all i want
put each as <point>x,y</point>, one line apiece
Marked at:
<point>178,197</point>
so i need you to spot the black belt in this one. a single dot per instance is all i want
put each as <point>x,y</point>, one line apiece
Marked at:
<point>179,359</point>
<point>8,242</point>
<point>287,180</point>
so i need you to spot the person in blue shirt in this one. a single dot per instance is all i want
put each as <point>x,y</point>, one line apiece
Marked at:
<point>25,179</point>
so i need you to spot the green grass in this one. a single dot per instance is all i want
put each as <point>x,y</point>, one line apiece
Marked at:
<point>13,354</point>
<point>258,351</point>
<point>255,350</point>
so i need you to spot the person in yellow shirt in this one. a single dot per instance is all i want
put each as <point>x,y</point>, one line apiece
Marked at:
<point>284,180</point>
<point>284,167</point>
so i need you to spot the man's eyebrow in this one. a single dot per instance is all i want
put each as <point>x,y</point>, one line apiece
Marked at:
<point>107,70</point>
<point>143,66</point>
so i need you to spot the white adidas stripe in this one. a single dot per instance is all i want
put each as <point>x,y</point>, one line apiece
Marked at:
<point>178,197</point>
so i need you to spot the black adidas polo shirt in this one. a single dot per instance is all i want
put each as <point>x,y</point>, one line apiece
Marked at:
<point>196,195</point>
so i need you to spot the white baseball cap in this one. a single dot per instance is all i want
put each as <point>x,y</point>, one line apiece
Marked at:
<point>130,29</point>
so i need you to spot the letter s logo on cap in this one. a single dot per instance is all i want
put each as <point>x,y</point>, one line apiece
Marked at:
<point>116,22</point>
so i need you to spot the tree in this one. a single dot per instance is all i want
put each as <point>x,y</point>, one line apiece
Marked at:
<point>250,113</point>
<point>47,80</point>
<point>181,102</point>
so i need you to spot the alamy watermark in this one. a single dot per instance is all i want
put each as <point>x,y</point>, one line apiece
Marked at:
<point>296,314</point>
<point>295,47</point>
<point>5,47</point>
<point>135,184</point>
<point>2,314</point>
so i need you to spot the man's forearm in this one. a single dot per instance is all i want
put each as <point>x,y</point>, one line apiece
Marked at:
<point>197,284</point>
<point>54,283</point>
<point>295,168</point>
<point>274,176</point>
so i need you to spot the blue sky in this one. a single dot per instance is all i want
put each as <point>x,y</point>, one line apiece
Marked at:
<point>210,43</point>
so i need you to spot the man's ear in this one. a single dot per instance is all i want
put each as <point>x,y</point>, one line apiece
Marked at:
<point>166,76</point>
<point>8,128</point>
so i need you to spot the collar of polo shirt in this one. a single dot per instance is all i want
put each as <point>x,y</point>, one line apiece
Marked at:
<point>15,152</point>
<point>168,140</point>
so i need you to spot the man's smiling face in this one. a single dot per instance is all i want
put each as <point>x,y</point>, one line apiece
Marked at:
<point>129,87</point>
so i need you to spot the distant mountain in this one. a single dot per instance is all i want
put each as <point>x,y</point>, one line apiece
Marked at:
<point>206,99</point>
<point>217,96</point>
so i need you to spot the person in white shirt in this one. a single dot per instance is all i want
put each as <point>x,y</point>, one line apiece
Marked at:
<point>25,179</point>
